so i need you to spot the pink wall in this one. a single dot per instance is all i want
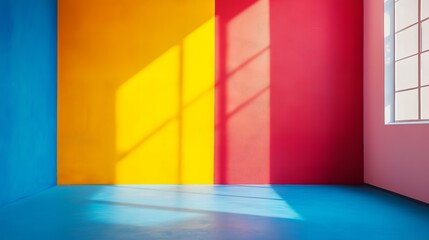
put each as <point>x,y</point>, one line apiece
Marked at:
<point>289,91</point>
<point>396,156</point>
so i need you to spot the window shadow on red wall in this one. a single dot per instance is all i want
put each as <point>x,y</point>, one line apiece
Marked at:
<point>242,92</point>
<point>289,92</point>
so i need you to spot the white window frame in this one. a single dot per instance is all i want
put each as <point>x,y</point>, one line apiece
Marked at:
<point>390,61</point>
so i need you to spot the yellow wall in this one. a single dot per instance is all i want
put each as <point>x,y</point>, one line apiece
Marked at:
<point>135,91</point>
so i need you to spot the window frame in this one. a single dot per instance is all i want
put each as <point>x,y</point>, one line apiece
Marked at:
<point>390,91</point>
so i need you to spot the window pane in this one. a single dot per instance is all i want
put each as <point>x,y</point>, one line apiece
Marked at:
<point>407,105</point>
<point>425,68</point>
<point>425,102</point>
<point>406,42</point>
<point>425,9</point>
<point>406,13</point>
<point>425,35</point>
<point>407,73</point>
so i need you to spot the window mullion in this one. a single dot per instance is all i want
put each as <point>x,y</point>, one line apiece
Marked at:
<point>419,58</point>
<point>394,63</point>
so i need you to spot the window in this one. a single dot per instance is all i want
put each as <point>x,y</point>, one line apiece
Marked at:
<point>406,61</point>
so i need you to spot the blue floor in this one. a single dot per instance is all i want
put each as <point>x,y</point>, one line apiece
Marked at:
<point>214,212</point>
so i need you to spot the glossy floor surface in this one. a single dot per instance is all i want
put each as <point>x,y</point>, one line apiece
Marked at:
<point>214,212</point>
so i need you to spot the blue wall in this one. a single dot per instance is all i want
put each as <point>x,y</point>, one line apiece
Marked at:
<point>28,48</point>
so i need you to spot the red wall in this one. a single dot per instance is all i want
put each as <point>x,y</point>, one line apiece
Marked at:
<point>396,156</point>
<point>289,92</point>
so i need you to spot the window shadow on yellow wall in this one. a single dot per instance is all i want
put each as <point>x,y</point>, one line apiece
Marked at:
<point>135,91</point>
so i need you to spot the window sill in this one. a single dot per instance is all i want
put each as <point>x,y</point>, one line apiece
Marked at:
<point>407,123</point>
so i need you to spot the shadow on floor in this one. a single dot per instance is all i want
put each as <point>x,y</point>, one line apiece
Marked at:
<point>214,212</point>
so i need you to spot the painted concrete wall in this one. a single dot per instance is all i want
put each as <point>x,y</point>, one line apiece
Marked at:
<point>136,91</point>
<point>27,97</point>
<point>396,156</point>
<point>289,91</point>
